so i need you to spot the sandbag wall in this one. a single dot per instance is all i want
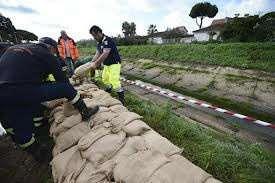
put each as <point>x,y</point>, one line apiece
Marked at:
<point>114,146</point>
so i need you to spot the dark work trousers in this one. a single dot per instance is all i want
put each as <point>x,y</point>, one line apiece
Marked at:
<point>20,102</point>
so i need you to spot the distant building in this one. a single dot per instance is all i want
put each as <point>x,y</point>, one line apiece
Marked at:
<point>170,36</point>
<point>211,32</point>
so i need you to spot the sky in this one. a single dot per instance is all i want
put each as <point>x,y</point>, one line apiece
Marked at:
<point>49,17</point>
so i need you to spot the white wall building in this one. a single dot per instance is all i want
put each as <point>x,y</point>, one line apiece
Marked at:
<point>211,32</point>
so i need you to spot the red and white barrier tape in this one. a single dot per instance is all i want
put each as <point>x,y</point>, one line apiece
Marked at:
<point>180,97</point>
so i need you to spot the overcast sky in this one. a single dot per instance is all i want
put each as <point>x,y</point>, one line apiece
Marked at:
<point>48,17</point>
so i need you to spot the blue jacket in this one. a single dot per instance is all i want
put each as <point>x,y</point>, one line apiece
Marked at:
<point>29,64</point>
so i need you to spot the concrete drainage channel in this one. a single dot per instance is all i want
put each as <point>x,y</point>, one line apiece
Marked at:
<point>220,119</point>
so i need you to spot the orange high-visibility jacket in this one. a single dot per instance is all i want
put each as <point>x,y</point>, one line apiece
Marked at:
<point>72,46</point>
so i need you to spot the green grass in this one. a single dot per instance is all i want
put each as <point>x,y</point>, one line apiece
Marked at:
<point>260,56</point>
<point>203,94</point>
<point>86,51</point>
<point>226,157</point>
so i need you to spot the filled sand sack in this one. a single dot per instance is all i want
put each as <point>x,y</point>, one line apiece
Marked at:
<point>115,145</point>
<point>70,137</point>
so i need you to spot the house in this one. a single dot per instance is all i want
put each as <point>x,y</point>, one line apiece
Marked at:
<point>170,36</point>
<point>188,39</point>
<point>211,32</point>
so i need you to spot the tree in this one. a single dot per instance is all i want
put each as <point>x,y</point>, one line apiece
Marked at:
<point>24,35</point>
<point>128,29</point>
<point>251,28</point>
<point>132,29</point>
<point>7,29</point>
<point>152,29</point>
<point>202,10</point>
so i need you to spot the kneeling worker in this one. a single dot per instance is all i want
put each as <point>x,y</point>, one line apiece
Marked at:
<point>23,68</point>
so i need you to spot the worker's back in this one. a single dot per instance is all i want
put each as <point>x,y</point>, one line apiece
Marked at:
<point>4,46</point>
<point>27,63</point>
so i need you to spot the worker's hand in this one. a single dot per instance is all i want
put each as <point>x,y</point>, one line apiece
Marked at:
<point>93,66</point>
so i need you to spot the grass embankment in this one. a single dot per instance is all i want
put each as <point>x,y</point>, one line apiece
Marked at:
<point>260,56</point>
<point>226,157</point>
<point>241,55</point>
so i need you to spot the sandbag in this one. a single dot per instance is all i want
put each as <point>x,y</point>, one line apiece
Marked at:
<point>69,110</point>
<point>60,162</point>
<point>104,148</point>
<point>54,103</point>
<point>71,137</point>
<point>157,142</point>
<point>105,101</point>
<point>212,180</point>
<point>96,133</point>
<point>132,146</point>
<point>102,116</point>
<point>87,86</point>
<point>90,175</point>
<point>82,70</point>
<point>118,109</point>
<point>179,170</point>
<point>123,119</point>
<point>73,168</point>
<point>135,128</point>
<point>58,117</point>
<point>139,167</point>
<point>98,93</point>
<point>55,110</point>
<point>68,123</point>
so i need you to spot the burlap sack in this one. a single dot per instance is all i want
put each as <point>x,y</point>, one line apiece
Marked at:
<point>55,110</point>
<point>96,133</point>
<point>139,167</point>
<point>135,128</point>
<point>90,175</point>
<point>97,93</point>
<point>118,109</point>
<point>58,117</point>
<point>105,101</point>
<point>104,148</point>
<point>68,123</point>
<point>179,170</point>
<point>71,137</point>
<point>73,168</point>
<point>123,119</point>
<point>54,103</point>
<point>212,180</point>
<point>157,142</point>
<point>60,162</point>
<point>102,117</point>
<point>87,86</point>
<point>132,146</point>
<point>82,70</point>
<point>69,110</point>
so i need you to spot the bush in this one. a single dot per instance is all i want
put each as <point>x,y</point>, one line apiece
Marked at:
<point>138,40</point>
<point>250,29</point>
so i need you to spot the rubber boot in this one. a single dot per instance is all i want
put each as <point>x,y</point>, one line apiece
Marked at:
<point>121,97</point>
<point>108,89</point>
<point>85,112</point>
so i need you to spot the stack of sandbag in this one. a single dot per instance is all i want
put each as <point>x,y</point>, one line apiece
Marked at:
<point>115,145</point>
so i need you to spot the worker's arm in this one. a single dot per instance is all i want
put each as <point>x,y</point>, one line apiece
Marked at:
<point>95,57</point>
<point>57,69</point>
<point>102,57</point>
